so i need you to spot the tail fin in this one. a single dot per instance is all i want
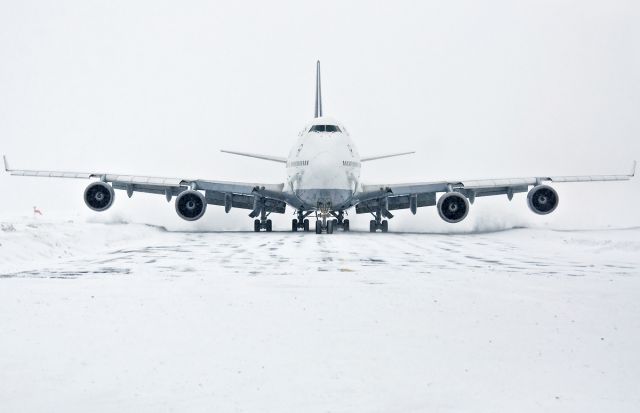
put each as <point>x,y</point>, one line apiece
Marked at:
<point>318,92</point>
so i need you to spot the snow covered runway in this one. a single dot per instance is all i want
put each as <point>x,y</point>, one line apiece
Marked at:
<point>135,318</point>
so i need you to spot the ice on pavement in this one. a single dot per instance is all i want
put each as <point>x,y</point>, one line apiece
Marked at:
<point>128,317</point>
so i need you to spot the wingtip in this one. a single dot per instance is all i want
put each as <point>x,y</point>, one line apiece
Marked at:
<point>633,169</point>
<point>6,163</point>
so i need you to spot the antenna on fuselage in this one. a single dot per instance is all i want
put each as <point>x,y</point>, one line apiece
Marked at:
<point>318,92</point>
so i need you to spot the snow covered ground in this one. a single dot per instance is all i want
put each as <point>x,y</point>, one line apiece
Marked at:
<point>127,317</point>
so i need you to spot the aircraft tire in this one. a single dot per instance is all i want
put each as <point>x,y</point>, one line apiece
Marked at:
<point>330,225</point>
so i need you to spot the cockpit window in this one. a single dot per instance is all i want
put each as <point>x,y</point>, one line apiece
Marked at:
<point>325,128</point>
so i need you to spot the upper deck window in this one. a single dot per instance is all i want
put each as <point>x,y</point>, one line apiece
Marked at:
<point>325,128</point>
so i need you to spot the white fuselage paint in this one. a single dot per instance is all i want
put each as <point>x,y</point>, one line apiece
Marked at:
<point>323,168</point>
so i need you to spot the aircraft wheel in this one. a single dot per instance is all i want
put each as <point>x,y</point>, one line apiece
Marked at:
<point>372,226</point>
<point>385,226</point>
<point>318,227</point>
<point>330,225</point>
<point>345,225</point>
<point>306,225</point>
<point>256,225</point>
<point>269,227</point>
<point>294,225</point>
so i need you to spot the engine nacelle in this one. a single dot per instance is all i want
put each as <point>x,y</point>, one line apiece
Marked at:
<point>99,196</point>
<point>453,207</point>
<point>543,199</point>
<point>191,205</point>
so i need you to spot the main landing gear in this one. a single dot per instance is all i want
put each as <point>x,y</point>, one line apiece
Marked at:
<point>339,221</point>
<point>301,223</point>
<point>378,223</point>
<point>266,225</point>
<point>382,226</point>
<point>263,222</point>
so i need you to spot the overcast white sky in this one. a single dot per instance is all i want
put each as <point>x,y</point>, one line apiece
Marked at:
<point>479,89</point>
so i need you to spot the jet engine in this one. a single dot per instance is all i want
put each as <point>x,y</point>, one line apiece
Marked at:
<point>453,207</point>
<point>99,196</point>
<point>190,205</point>
<point>542,199</point>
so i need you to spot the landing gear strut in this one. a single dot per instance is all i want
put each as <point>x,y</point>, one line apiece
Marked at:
<point>301,222</point>
<point>263,222</point>
<point>322,223</point>
<point>339,221</point>
<point>378,223</point>
<point>328,220</point>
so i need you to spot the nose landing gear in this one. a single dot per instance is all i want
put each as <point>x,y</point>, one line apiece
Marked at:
<point>322,223</point>
<point>325,222</point>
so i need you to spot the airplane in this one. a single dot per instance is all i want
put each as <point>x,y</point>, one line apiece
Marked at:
<point>323,180</point>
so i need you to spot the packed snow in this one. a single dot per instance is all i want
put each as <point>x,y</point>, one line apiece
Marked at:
<point>131,317</point>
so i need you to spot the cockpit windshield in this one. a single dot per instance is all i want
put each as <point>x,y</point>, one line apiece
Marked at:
<point>325,128</point>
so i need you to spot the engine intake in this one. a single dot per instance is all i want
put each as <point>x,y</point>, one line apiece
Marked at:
<point>99,196</point>
<point>191,205</point>
<point>542,199</point>
<point>453,207</point>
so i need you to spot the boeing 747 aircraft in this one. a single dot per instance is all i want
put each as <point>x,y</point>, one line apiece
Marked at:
<point>323,181</point>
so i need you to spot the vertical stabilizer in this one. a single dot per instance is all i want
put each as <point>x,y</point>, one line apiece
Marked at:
<point>318,92</point>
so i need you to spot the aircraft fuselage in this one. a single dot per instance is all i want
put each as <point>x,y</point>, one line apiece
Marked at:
<point>323,167</point>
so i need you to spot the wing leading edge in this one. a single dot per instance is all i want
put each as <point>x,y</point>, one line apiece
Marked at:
<point>279,159</point>
<point>389,155</point>
<point>239,194</point>
<point>398,196</point>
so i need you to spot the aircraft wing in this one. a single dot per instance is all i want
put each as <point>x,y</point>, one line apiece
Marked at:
<point>243,194</point>
<point>399,196</point>
<point>388,155</point>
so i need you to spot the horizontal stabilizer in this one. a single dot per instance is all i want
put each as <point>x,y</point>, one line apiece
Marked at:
<point>390,155</point>
<point>255,155</point>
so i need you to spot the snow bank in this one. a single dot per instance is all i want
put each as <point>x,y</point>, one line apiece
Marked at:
<point>30,243</point>
<point>127,317</point>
